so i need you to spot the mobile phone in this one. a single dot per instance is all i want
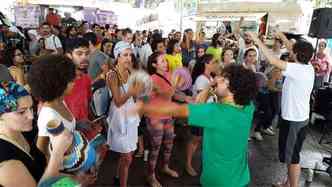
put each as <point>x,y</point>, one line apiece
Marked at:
<point>99,118</point>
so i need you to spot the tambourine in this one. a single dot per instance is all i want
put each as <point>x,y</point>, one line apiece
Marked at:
<point>144,78</point>
<point>182,77</point>
<point>82,154</point>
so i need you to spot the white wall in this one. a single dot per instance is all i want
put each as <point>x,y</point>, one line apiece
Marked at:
<point>7,9</point>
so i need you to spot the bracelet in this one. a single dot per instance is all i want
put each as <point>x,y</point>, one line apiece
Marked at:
<point>55,130</point>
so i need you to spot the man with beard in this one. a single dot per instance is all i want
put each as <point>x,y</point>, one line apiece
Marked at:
<point>51,41</point>
<point>77,50</point>
<point>226,125</point>
<point>295,104</point>
<point>245,42</point>
<point>177,36</point>
<point>98,61</point>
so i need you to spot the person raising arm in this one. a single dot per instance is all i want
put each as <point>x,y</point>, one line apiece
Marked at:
<point>270,58</point>
<point>295,105</point>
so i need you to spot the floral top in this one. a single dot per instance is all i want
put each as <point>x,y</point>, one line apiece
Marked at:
<point>321,65</point>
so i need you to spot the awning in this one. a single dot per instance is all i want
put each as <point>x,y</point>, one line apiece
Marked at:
<point>284,7</point>
<point>229,16</point>
<point>63,2</point>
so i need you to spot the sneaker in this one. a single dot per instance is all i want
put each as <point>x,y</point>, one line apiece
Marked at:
<point>268,131</point>
<point>258,136</point>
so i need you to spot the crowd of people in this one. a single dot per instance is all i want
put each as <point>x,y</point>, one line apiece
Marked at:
<point>232,89</point>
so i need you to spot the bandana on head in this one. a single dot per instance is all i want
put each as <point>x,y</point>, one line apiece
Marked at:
<point>10,92</point>
<point>120,47</point>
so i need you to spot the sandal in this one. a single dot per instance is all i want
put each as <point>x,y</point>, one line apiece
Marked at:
<point>191,171</point>
<point>170,173</point>
<point>153,182</point>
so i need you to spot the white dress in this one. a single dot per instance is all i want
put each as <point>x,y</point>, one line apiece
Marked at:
<point>122,128</point>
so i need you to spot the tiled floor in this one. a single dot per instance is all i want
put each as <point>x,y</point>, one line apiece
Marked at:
<point>264,165</point>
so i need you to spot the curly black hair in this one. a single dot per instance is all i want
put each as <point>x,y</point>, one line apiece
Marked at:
<point>49,76</point>
<point>242,83</point>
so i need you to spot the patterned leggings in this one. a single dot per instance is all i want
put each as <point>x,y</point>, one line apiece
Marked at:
<point>160,131</point>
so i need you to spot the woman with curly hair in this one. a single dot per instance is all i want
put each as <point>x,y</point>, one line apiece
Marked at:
<point>51,78</point>
<point>226,125</point>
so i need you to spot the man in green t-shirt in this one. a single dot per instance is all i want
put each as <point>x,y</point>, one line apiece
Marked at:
<point>226,126</point>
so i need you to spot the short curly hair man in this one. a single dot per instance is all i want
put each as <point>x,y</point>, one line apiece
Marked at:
<point>226,125</point>
<point>49,76</point>
<point>242,83</point>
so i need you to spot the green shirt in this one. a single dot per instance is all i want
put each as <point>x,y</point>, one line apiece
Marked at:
<point>216,52</point>
<point>225,143</point>
<point>59,181</point>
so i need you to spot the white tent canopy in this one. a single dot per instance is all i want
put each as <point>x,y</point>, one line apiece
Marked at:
<point>281,8</point>
<point>229,16</point>
<point>288,16</point>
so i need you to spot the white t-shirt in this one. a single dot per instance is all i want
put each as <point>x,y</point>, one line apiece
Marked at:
<point>143,52</point>
<point>296,91</point>
<point>202,82</point>
<point>52,42</point>
<point>48,114</point>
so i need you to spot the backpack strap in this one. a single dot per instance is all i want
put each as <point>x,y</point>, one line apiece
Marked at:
<point>164,78</point>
